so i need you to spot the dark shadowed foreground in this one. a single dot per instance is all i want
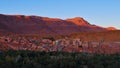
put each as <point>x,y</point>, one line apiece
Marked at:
<point>35,59</point>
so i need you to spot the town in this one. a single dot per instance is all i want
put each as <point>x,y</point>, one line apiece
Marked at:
<point>66,45</point>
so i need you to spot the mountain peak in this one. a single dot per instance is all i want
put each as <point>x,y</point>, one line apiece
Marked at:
<point>78,21</point>
<point>77,18</point>
<point>111,28</point>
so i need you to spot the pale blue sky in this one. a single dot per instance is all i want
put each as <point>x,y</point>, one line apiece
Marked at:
<point>100,12</point>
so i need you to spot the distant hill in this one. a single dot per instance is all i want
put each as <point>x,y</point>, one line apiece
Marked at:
<point>20,24</point>
<point>111,28</point>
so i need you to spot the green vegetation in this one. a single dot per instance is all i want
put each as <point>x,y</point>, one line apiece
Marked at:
<point>34,59</point>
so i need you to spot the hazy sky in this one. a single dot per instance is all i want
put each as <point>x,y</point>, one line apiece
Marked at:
<point>100,12</point>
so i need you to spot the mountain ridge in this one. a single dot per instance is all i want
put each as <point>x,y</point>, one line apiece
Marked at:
<point>21,24</point>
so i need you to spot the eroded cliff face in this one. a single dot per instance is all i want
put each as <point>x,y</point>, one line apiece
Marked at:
<point>21,24</point>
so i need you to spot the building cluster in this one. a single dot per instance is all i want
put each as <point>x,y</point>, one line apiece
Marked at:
<point>66,44</point>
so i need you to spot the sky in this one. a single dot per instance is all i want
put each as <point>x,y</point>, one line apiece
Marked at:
<point>99,12</point>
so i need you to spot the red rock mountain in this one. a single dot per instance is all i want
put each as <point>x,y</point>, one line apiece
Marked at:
<point>21,24</point>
